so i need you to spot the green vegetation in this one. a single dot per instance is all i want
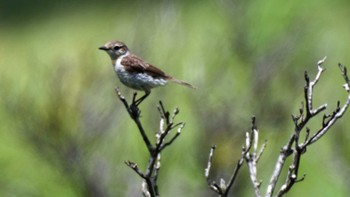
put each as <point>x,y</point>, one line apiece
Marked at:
<point>64,132</point>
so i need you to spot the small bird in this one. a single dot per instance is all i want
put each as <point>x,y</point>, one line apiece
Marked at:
<point>135,72</point>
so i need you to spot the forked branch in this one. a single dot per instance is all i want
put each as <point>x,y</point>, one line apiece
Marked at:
<point>167,124</point>
<point>294,147</point>
<point>250,154</point>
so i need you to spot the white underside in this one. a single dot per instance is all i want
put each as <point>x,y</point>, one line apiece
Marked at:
<point>138,81</point>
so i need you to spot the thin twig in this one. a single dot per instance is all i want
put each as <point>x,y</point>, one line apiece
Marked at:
<point>212,184</point>
<point>252,157</point>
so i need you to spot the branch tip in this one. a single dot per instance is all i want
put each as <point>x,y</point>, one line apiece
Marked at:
<point>320,62</point>
<point>306,76</point>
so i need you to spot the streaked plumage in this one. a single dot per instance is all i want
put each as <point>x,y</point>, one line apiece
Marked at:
<point>135,72</point>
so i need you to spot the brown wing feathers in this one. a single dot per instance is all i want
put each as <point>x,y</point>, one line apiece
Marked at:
<point>134,64</point>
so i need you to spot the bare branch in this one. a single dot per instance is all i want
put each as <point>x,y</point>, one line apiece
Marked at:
<point>144,189</point>
<point>209,163</point>
<point>134,166</point>
<point>149,186</point>
<point>156,172</point>
<point>292,148</point>
<point>300,123</point>
<point>261,151</point>
<point>338,112</point>
<point>174,137</point>
<point>344,72</point>
<point>252,157</point>
<point>235,173</point>
<point>134,113</point>
<point>224,188</point>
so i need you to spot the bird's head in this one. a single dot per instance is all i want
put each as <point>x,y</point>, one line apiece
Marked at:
<point>115,49</point>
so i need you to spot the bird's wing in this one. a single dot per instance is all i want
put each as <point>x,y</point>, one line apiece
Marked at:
<point>134,64</point>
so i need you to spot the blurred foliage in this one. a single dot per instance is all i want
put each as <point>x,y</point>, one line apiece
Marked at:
<point>64,133</point>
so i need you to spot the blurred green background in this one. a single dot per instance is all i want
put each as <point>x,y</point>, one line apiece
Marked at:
<point>64,132</point>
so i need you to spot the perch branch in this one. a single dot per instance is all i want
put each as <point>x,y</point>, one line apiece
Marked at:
<point>149,185</point>
<point>134,113</point>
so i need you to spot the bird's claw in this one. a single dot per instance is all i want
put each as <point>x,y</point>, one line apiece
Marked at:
<point>134,110</point>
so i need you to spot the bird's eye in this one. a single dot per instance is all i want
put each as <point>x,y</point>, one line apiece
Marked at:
<point>117,48</point>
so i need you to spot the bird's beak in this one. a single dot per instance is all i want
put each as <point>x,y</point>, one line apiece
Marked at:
<point>104,48</point>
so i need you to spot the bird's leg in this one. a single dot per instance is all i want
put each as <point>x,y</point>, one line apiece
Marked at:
<point>134,109</point>
<point>139,101</point>
<point>134,98</point>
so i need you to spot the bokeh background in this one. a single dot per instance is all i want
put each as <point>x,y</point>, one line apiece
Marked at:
<point>63,131</point>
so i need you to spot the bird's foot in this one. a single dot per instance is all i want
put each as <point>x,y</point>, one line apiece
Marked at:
<point>134,110</point>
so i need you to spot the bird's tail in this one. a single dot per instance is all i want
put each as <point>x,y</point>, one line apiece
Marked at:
<point>183,83</point>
